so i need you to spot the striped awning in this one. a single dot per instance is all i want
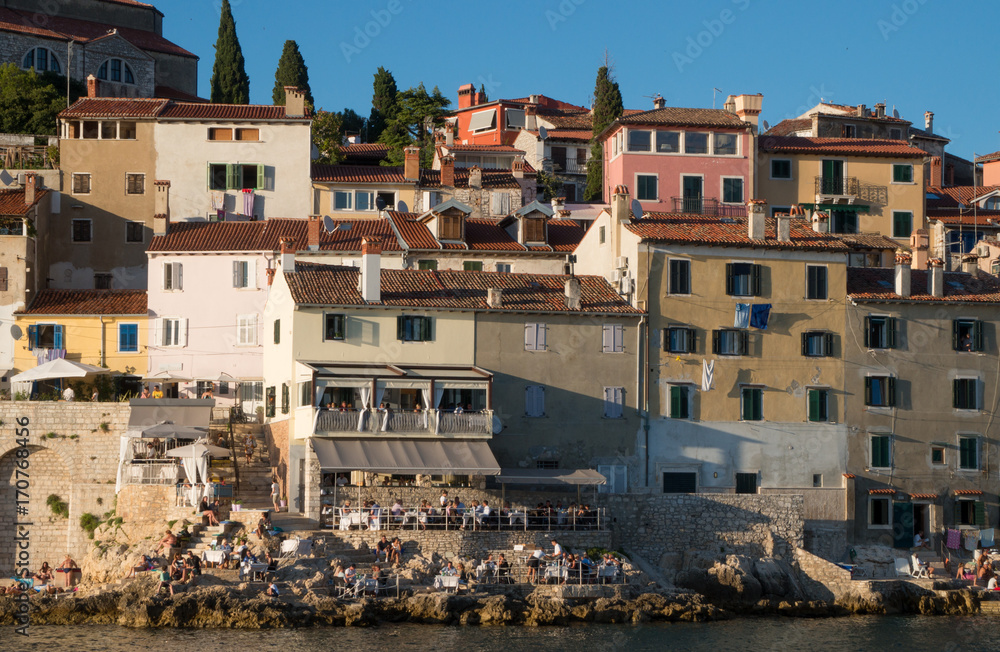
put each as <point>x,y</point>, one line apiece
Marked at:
<point>882,492</point>
<point>924,496</point>
<point>406,457</point>
<point>967,492</point>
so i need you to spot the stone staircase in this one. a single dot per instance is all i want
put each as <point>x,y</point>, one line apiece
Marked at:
<point>255,478</point>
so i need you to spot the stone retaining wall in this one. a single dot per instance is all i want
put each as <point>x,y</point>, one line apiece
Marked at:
<point>822,579</point>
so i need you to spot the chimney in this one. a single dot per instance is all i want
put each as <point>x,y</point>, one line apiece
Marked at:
<point>475,177</point>
<point>573,293</point>
<point>312,233</point>
<point>862,111</point>
<point>558,204</point>
<point>919,244</point>
<point>621,205</point>
<point>465,93</point>
<point>533,99</point>
<point>411,163</point>
<point>530,118</point>
<point>287,254</point>
<point>269,272</point>
<point>30,181</point>
<point>447,171</point>
<point>756,223</point>
<point>91,86</point>
<point>880,110</point>
<point>970,264</point>
<point>820,222</point>
<point>659,102</point>
<point>902,273</point>
<point>949,175</point>
<point>935,179</point>
<point>494,297</point>
<point>449,135</point>
<point>936,273</point>
<point>929,121</point>
<point>295,102</point>
<point>371,270</point>
<point>730,104</point>
<point>517,167</point>
<point>784,228</point>
<point>161,207</point>
<point>747,107</point>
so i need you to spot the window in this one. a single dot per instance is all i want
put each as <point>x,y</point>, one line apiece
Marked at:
<point>742,279</point>
<point>472,265</point>
<point>638,140</point>
<point>878,512</point>
<point>850,131</point>
<point>902,224</point>
<point>970,512</point>
<point>534,229</point>
<point>613,338</point>
<point>135,184</point>
<point>534,401</point>
<point>817,480</point>
<point>781,168</point>
<point>668,141</point>
<point>450,227</point>
<point>746,483</point>
<point>126,130</point>
<point>843,221</point>
<point>81,183</point>
<point>514,118</point>
<point>218,133</point>
<point>816,285</point>
<point>334,327</point>
<point>427,265</point>
<point>646,187</point>
<point>135,232</point>
<point>102,281</point>
<point>617,475</point>
<point>967,335</point>
<point>3,279</point>
<point>342,200</point>
<point>243,274</point>
<point>503,268</point>
<point>109,130</point>
<point>680,276</point>
<point>614,402</point>
<point>173,276</point>
<point>680,401</point>
<point>413,328</point>
<point>46,336</point>
<point>128,338</point>
<point>251,176</point>
<point>730,341</point>
<point>546,464</point>
<point>968,453</point>
<point>695,143</point>
<point>116,70</point>
<point>732,191</point>
<point>680,483</point>
<point>881,451</point>
<point>388,197</point>
<point>817,344</point>
<point>534,337</point>
<point>246,330</point>
<point>82,230</point>
<point>173,332</point>
<point>880,332</point>
<point>41,59</point>
<point>895,134</point>
<point>679,339</point>
<point>937,455</point>
<point>880,391</point>
<point>236,176</point>
<point>965,394</point>
<point>600,235</point>
<point>284,398</point>
<point>248,134</point>
<point>483,121</point>
<point>269,402</point>
<point>218,176</point>
<point>751,403</point>
<point>902,173</point>
<point>819,404</point>
<point>252,390</point>
<point>277,331</point>
<point>305,394</point>
<point>725,144</point>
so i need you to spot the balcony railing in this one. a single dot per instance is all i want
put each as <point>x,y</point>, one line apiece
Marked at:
<point>570,167</point>
<point>710,206</point>
<point>425,422</point>
<point>151,472</point>
<point>840,186</point>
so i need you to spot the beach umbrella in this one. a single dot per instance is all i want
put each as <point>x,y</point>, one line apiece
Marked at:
<point>58,368</point>
<point>198,449</point>
<point>169,429</point>
<point>169,377</point>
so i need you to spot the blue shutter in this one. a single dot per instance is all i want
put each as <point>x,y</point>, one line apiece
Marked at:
<point>32,337</point>
<point>57,337</point>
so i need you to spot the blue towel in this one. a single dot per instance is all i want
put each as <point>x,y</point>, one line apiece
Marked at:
<point>759,314</point>
<point>742,319</point>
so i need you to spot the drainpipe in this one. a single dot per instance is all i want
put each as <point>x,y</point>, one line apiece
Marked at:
<point>102,340</point>
<point>641,394</point>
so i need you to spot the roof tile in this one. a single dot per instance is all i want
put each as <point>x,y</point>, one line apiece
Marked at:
<point>878,284</point>
<point>674,115</point>
<point>729,232</point>
<point>12,201</point>
<point>860,147</point>
<point>165,109</point>
<point>88,302</point>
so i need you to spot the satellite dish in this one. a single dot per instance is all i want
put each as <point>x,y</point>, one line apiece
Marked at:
<point>380,203</point>
<point>497,425</point>
<point>895,112</point>
<point>329,224</point>
<point>402,207</point>
<point>767,127</point>
<point>543,133</point>
<point>636,210</point>
<point>16,332</point>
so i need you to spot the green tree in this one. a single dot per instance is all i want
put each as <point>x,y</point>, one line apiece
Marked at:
<point>482,92</point>
<point>383,103</point>
<point>551,185</point>
<point>417,114</point>
<point>327,135</point>
<point>230,83</point>
<point>352,122</point>
<point>607,108</point>
<point>30,102</point>
<point>292,71</point>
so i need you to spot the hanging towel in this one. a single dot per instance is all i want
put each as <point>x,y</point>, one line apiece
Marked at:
<point>953,540</point>
<point>759,313</point>
<point>220,215</point>
<point>971,539</point>
<point>707,374</point>
<point>248,202</point>
<point>986,538</point>
<point>218,201</point>
<point>742,315</point>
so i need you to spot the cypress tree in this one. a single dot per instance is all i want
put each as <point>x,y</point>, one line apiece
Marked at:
<point>292,71</point>
<point>383,103</point>
<point>607,108</point>
<point>230,83</point>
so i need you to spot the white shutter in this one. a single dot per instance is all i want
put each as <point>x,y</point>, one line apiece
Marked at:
<point>236,273</point>
<point>166,276</point>
<point>530,341</point>
<point>495,203</point>
<point>540,391</point>
<point>619,402</point>
<point>541,337</point>
<point>619,335</point>
<point>607,338</point>
<point>182,332</point>
<point>178,276</point>
<point>608,401</point>
<point>620,484</point>
<point>529,400</point>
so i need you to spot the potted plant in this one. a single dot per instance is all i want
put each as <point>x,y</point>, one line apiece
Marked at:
<point>237,505</point>
<point>282,503</point>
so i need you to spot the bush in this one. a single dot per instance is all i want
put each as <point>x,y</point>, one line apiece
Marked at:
<point>89,523</point>
<point>58,507</point>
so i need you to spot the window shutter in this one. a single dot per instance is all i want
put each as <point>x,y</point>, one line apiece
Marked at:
<point>261,180</point>
<point>236,273</point>
<point>609,401</point>
<point>543,336</point>
<point>399,327</point>
<point>618,332</point>
<point>425,329</point>
<point>730,281</point>
<point>182,332</point>
<point>980,508</point>
<point>277,331</point>
<point>890,390</point>
<point>32,337</point>
<point>252,274</point>
<point>755,280</point>
<point>955,393</point>
<point>231,180</point>
<point>208,176</point>
<point>805,343</point>
<point>716,337</point>
<point>813,405</point>
<point>178,276</point>
<point>665,337</point>
<point>828,343</point>
<point>868,390</point>
<point>607,338</point>
<point>692,341</point>
<point>977,327</point>
<point>868,332</point>
<point>529,337</point>
<point>529,401</point>
<point>955,344</point>
<point>57,337</point>
<point>744,342</point>
<point>675,401</point>
<point>890,332</point>
<point>3,279</point>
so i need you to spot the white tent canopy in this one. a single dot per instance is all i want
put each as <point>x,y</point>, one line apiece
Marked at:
<point>58,368</point>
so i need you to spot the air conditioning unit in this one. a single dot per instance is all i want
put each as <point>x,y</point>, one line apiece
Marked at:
<point>617,276</point>
<point>22,178</point>
<point>621,262</point>
<point>984,251</point>
<point>625,286</point>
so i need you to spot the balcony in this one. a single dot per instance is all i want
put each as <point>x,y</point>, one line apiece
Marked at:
<point>426,423</point>
<point>710,206</point>
<point>837,186</point>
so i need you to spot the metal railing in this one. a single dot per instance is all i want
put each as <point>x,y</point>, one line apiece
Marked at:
<point>517,518</point>
<point>151,472</point>
<point>423,422</point>
<point>710,206</point>
<point>836,185</point>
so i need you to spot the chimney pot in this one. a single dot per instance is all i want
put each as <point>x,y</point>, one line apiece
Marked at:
<point>936,179</point>
<point>573,293</point>
<point>970,264</point>
<point>295,102</point>
<point>269,272</point>
<point>820,222</point>
<point>936,273</point>
<point>919,243</point>
<point>475,177</point>
<point>659,102</point>
<point>30,183</point>
<point>929,121</point>
<point>161,207</point>
<point>411,163</point>
<point>494,297</point>
<point>756,222</point>
<point>92,86</point>
<point>312,233</point>
<point>465,98</point>
<point>621,205</point>
<point>784,228</point>
<point>287,254</point>
<point>371,270</point>
<point>447,171</point>
<point>880,110</point>
<point>902,275</point>
<point>517,167</point>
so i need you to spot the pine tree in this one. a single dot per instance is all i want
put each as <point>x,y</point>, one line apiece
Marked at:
<point>230,83</point>
<point>482,94</point>
<point>607,108</point>
<point>383,103</point>
<point>292,71</point>
<point>417,114</point>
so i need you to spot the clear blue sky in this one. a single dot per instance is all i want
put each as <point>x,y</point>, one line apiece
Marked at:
<point>916,55</point>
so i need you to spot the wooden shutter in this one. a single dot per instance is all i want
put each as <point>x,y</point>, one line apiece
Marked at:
<point>665,334</point>
<point>425,329</point>
<point>609,400</point>
<point>755,280</point>
<point>618,333</point>
<point>607,338</point>
<point>805,343</point>
<point>868,390</point>
<point>744,342</point>
<point>828,344</point>
<point>236,274</point>
<point>955,393</point>
<point>890,391</point>
<point>32,337</point>
<point>284,398</point>
<point>730,281</point>
<point>399,327</point>
<point>542,336</point>
<point>980,508</point>
<point>208,176</point>
<point>3,279</point>
<point>58,341</point>
<point>890,332</point>
<point>232,180</point>
<point>261,177</point>
<point>182,332</point>
<point>716,342</point>
<point>977,326</point>
<point>530,340</point>
<point>955,339</point>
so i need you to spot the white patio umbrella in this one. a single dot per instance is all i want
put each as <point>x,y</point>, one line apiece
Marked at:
<point>198,449</point>
<point>58,368</point>
<point>169,377</point>
<point>171,430</point>
<point>194,457</point>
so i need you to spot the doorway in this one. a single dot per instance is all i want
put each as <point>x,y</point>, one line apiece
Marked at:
<point>833,177</point>
<point>692,189</point>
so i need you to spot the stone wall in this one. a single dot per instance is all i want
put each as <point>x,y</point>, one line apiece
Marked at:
<point>822,579</point>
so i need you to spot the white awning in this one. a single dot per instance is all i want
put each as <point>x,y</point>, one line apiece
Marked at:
<point>551,476</point>
<point>406,457</point>
<point>461,384</point>
<point>483,120</point>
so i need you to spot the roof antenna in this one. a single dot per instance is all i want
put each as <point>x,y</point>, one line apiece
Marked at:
<point>714,91</point>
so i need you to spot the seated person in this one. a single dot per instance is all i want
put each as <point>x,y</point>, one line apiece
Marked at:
<point>449,570</point>
<point>184,533</point>
<point>263,525</point>
<point>167,542</point>
<point>177,568</point>
<point>350,575</point>
<point>919,565</point>
<point>227,551</point>
<point>920,541</point>
<point>44,574</point>
<point>208,511</point>
<point>396,552</point>
<point>272,590</point>
<point>165,580</point>
<point>145,564</point>
<point>381,549</point>
<point>192,566</point>
<point>503,569</point>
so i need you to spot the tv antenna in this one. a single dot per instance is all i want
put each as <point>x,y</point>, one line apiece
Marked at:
<point>714,91</point>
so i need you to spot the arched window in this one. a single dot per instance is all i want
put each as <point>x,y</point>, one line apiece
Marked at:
<point>116,70</point>
<point>42,60</point>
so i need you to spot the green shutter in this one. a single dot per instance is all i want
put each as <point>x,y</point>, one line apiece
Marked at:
<point>977,335</point>
<point>814,405</point>
<point>980,508</point>
<point>828,343</point>
<point>890,390</point>
<point>716,335</point>
<point>261,181</point>
<point>868,332</point>
<point>890,332</point>
<point>675,402</point>
<point>277,331</point>
<point>730,281</point>
<point>755,280</point>
<point>955,340</point>
<point>232,183</point>
<point>805,343</point>
<point>425,329</point>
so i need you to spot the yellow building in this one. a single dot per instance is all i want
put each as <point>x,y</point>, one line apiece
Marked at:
<point>105,328</point>
<point>864,186</point>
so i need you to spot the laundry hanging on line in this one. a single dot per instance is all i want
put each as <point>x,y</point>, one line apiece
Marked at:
<point>759,314</point>
<point>742,319</point>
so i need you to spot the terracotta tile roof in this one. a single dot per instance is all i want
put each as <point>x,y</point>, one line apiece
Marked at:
<point>169,93</point>
<point>789,127</point>
<point>924,496</point>
<point>484,148</point>
<point>415,235</point>
<point>869,241</point>
<point>107,107</point>
<point>967,492</point>
<point>882,492</point>
<point>347,235</point>
<point>358,174</point>
<point>952,196</point>
<point>965,217</point>
<point>579,120</point>
<point>565,235</point>
<point>208,111</point>
<point>165,109</point>
<point>570,134</point>
<point>486,235</point>
<point>364,153</point>
<point>859,147</point>
<point>849,476</point>
<point>729,232</point>
<point>12,201</point>
<point>229,236</point>
<point>492,179</point>
<point>83,31</point>
<point>333,285</point>
<point>673,115</point>
<point>986,158</point>
<point>878,284</point>
<point>88,302</point>
<point>547,102</point>
<point>847,111</point>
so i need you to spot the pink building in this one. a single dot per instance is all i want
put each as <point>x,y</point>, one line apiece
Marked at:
<point>680,160</point>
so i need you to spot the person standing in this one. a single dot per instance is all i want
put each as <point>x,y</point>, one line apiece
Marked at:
<point>275,493</point>
<point>68,394</point>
